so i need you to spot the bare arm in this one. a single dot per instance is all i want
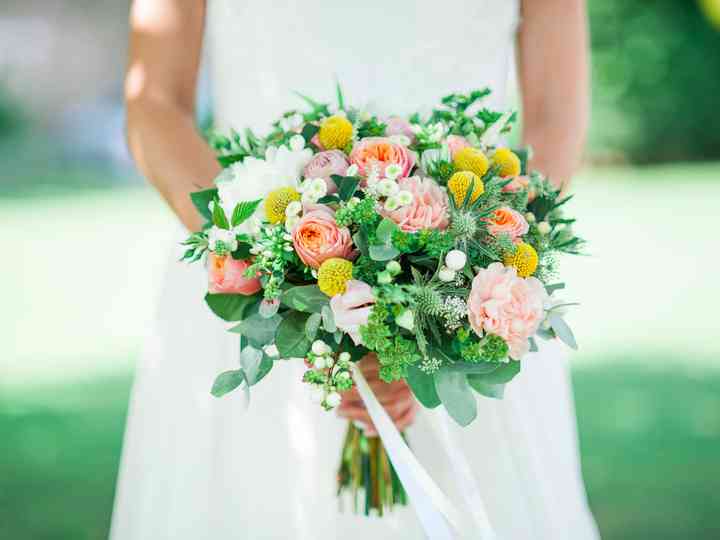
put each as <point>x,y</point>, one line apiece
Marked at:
<point>165,48</point>
<point>553,72</point>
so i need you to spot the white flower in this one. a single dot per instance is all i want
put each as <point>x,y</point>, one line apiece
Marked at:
<point>400,139</point>
<point>333,400</point>
<point>543,227</point>
<point>404,197</point>
<point>392,203</point>
<point>406,320</point>
<point>291,221</point>
<point>297,143</point>
<point>387,187</point>
<point>455,260</point>
<point>446,275</point>
<point>216,234</point>
<point>293,208</point>
<point>344,356</point>
<point>319,187</point>
<point>319,362</point>
<point>392,171</point>
<point>352,170</point>
<point>319,347</point>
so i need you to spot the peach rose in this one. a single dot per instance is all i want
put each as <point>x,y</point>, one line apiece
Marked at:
<point>316,237</point>
<point>325,164</point>
<point>505,220</point>
<point>428,210</point>
<point>399,126</point>
<point>503,304</point>
<point>380,152</point>
<point>520,183</point>
<point>456,143</point>
<point>227,275</point>
<point>352,309</point>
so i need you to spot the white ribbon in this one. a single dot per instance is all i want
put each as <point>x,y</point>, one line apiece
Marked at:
<point>434,511</point>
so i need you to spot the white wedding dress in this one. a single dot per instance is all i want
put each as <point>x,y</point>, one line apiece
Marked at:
<point>196,467</point>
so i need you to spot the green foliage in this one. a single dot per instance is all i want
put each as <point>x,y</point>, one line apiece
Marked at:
<point>654,97</point>
<point>307,298</point>
<point>453,389</point>
<point>227,382</point>
<point>230,307</point>
<point>371,128</point>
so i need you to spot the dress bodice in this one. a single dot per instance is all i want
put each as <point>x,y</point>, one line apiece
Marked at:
<point>389,56</point>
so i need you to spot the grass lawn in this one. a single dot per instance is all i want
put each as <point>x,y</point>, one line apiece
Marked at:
<point>650,443</point>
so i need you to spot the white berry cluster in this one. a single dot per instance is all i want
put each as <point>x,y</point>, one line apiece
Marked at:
<point>329,375</point>
<point>387,188</point>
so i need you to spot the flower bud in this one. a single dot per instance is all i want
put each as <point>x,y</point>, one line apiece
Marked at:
<point>393,267</point>
<point>406,320</point>
<point>333,400</point>
<point>446,274</point>
<point>455,260</point>
<point>319,347</point>
<point>543,227</point>
<point>384,278</point>
<point>344,356</point>
<point>530,217</point>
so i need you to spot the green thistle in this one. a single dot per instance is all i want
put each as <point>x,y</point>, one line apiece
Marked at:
<point>464,225</point>
<point>428,301</point>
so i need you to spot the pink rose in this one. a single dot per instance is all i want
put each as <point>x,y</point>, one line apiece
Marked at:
<point>428,210</point>
<point>379,152</point>
<point>503,304</point>
<point>455,143</point>
<point>317,237</point>
<point>325,164</point>
<point>505,220</point>
<point>520,183</point>
<point>399,126</point>
<point>352,309</point>
<point>227,275</point>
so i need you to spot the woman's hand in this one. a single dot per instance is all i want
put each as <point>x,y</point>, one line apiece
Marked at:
<point>395,397</point>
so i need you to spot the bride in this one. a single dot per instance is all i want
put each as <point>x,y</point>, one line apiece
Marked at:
<point>196,467</point>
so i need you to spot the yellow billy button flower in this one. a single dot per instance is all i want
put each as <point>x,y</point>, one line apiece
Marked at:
<point>277,201</point>
<point>523,258</point>
<point>335,133</point>
<point>508,162</point>
<point>333,276</point>
<point>459,184</point>
<point>471,159</point>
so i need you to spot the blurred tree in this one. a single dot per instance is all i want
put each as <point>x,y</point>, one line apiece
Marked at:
<point>656,79</point>
<point>10,113</point>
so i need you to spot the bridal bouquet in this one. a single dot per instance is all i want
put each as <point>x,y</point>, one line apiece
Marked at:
<point>422,240</point>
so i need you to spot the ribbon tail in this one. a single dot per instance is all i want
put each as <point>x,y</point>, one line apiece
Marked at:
<point>435,512</point>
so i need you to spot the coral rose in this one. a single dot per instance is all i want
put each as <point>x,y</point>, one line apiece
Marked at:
<point>456,143</point>
<point>316,237</point>
<point>520,183</point>
<point>379,152</point>
<point>352,308</point>
<point>227,276</point>
<point>505,220</point>
<point>503,304</point>
<point>324,165</point>
<point>428,209</point>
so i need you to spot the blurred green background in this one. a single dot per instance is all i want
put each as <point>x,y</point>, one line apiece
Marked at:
<point>647,382</point>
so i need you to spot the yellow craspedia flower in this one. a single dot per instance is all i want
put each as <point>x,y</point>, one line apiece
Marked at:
<point>277,201</point>
<point>459,184</point>
<point>333,276</point>
<point>471,159</point>
<point>523,258</point>
<point>508,162</point>
<point>335,133</point>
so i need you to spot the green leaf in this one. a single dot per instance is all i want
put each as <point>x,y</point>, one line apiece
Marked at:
<point>258,330</point>
<point>202,199</point>
<point>340,97</point>
<point>250,360</point>
<point>242,252</point>
<point>562,331</point>
<point>307,298</point>
<point>360,240</point>
<point>347,185</point>
<point>454,392</point>
<point>472,367</point>
<point>226,160</point>
<point>554,287</point>
<point>423,387</point>
<point>218,217</point>
<point>383,252</point>
<point>503,374</point>
<point>533,345</point>
<point>328,199</point>
<point>328,319</point>
<point>309,131</point>
<point>227,382</point>
<point>244,210</point>
<point>385,230</point>
<point>290,338</point>
<point>230,307</point>
<point>312,325</point>
<point>266,365</point>
<point>486,389</point>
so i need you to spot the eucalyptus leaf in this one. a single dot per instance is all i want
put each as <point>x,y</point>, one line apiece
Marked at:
<point>423,387</point>
<point>474,368</point>
<point>495,391</point>
<point>328,319</point>
<point>250,359</point>
<point>360,240</point>
<point>257,329</point>
<point>533,345</point>
<point>562,331</point>
<point>202,199</point>
<point>454,392</point>
<point>312,325</point>
<point>307,298</point>
<point>383,252</point>
<point>290,338</point>
<point>384,231</point>
<point>503,374</point>
<point>264,368</point>
<point>347,185</point>
<point>554,287</point>
<point>227,382</point>
<point>545,334</point>
<point>230,307</point>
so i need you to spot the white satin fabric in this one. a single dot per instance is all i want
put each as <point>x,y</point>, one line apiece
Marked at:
<point>199,467</point>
